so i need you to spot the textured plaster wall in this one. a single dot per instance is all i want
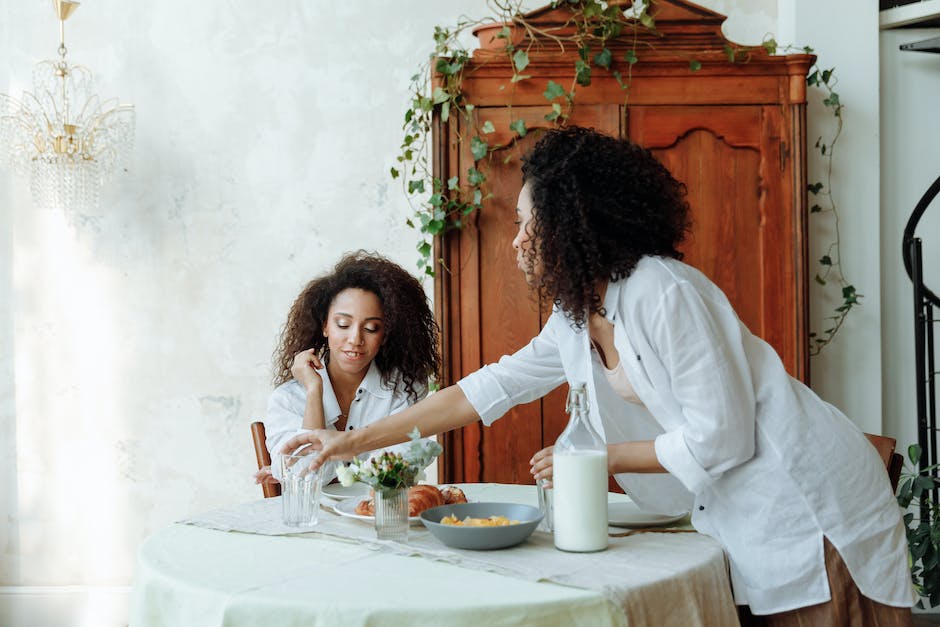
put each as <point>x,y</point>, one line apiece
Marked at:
<point>135,343</point>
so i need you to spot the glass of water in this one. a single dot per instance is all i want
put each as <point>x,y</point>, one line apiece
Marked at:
<point>300,489</point>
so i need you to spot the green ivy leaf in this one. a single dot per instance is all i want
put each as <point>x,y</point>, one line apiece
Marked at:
<point>603,58</point>
<point>475,177</point>
<point>825,260</point>
<point>815,209</point>
<point>647,20</point>
<point>582,73</point>
<point>695,65</point>
<point>913,453</point>
<point>424,248</point>
<point>488,127</point>
<point>813,79</point>
<point>820,280</point>
<point>439,96</point>
<point>555,114</point>
<point>519,127</point>
<point>453,182</point>
<point>445,111</point>
<point>553,90</point>
<point>630,57</point>
<point>519,77</point>
<point>520,60</point>
<point>770,45</point>
<point>394,172</point>
<point>478,148</point>
<point>814,188</point>
<point>416,186</point>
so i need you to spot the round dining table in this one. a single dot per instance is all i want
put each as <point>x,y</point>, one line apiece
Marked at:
<point>195,575</point>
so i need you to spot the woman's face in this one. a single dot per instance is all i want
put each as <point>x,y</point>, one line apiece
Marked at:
<point>355,329</point>
<point>524,243</point>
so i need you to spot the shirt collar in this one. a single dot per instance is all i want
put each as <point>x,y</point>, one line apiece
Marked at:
<point>611,299</point>
<point>371,383</point>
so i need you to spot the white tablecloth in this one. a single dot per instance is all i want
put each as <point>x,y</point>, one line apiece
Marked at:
<point>187,575</point>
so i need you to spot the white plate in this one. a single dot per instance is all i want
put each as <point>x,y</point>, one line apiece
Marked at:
<point>339,492</point>
<point>348,508</point>
<point>629,515</point>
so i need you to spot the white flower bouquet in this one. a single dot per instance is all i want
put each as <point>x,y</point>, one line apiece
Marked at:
<point>390,471</point>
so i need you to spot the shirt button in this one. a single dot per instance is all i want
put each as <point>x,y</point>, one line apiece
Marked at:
<point>638,358</point>
<point>701,508</point>
<point>350,427</point>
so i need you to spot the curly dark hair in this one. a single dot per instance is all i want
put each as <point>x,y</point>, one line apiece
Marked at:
<point>599,205</point>
<point>411,333</point>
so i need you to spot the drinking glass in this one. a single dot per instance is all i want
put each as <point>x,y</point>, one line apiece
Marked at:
<point>300,490</point>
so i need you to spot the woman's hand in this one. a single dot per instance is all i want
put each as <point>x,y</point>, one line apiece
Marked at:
<point>542,466</point>
<point>304,370</point>
<point>333,445</point>
<point>264,476</point>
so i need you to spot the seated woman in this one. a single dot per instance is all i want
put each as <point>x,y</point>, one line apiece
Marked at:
<point>359,344</point>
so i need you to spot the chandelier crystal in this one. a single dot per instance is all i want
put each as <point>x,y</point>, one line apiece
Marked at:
<point>62,135</point>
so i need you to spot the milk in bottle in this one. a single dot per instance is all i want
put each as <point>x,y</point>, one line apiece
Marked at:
<point>580,481</point>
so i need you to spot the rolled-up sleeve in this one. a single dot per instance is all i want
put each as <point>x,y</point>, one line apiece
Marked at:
<point>700,344</point>
<point>281,423</point>
<point>528,374</point>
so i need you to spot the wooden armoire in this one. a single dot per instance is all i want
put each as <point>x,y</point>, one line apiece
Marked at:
<point>734,133</point>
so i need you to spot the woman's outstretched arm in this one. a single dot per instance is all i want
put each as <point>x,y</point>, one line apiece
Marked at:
<point>442,411</point>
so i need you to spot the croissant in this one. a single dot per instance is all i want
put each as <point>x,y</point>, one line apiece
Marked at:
<point>453,495</point>
<point>420,498</point>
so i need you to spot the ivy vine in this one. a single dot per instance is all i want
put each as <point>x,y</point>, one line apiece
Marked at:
<point>439,205</point>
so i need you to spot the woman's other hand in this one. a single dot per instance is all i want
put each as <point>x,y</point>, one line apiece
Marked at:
<point>264,476</point>
<point>304,370</point>
<point>541,464</point>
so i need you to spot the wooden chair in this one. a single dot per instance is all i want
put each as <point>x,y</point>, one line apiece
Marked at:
<point>893,461</point>
<point>263,458</point>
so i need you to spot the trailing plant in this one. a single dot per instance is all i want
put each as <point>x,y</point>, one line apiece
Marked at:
<point>436,90</point>
<point>922,525</point>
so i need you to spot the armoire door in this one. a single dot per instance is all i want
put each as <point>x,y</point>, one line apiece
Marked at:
<point>735,162</point>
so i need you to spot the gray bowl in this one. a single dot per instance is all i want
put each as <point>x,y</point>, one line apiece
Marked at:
<point>482,538</point>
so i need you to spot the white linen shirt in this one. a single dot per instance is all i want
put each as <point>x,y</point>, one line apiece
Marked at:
<point>771,467</point>
<point>374,401</point>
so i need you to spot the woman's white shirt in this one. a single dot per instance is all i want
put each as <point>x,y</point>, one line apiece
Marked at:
<point>765,465</point>
<point>374,401</point>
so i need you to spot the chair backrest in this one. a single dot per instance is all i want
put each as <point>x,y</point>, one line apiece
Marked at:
<point>263,457</point>
<point>892,461</point>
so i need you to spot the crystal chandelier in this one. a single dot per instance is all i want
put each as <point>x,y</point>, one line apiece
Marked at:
<point>61,135</point>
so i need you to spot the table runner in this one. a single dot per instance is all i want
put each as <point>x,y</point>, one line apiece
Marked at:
<point>633,573</point>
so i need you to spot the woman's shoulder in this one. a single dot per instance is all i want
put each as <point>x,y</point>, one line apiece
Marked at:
<point>656,274</point>
<point>289,391</point>
<point>657,278</point>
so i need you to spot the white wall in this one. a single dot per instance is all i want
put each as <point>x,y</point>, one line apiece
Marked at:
<point>848,372</point>
<point>910,157</point>
<point>135,343</point>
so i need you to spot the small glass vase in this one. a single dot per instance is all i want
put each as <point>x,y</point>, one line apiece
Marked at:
<point>391,514</point>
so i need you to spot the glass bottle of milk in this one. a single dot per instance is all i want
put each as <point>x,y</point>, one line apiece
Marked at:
<point>580,481</point>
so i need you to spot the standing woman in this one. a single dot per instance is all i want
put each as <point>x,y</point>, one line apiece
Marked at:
<point>789,487</point>
<point>359,344</point>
